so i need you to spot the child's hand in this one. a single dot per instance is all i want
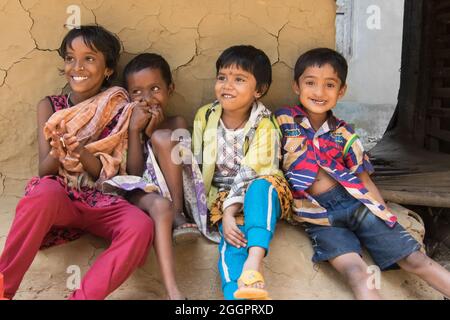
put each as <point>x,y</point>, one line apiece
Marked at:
<point>140,117</point>
<point>73,146</point>
<point>231,232</point>
<point>58,147</point>
<point>57,151</point>
<point>157,118</point>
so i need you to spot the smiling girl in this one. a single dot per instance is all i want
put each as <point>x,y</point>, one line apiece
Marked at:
<point>64,194</point>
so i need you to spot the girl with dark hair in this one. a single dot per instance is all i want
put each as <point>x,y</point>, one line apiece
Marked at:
<point>81,139</point>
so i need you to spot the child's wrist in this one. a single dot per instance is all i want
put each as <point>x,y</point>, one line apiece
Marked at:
<point>229,212</point>
<point>135,131</point>
<point>81,151</point>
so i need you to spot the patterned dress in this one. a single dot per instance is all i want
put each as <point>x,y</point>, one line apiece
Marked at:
<point>90,196</point>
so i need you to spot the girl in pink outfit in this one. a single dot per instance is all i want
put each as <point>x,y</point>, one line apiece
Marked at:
<point>55,204</point>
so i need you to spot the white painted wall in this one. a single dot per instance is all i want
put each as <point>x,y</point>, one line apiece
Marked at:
<point>374,67</point>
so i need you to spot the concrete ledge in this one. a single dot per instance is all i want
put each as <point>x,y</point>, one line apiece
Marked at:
<point>289,272</point>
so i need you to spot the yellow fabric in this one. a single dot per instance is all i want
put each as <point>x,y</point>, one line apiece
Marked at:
<point>262,156</point>
<point>284,195</point>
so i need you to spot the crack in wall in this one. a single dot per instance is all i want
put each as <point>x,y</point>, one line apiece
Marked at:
<point>185,64</point>
<point>2,82</point>
<point>266,266</point>
<point>3,185</point>
<point>32,24</point>
<point>283,63</point>
<point>9,69</point>
<point>278,42</point>
<point>197,41</point>
<point>93,13</point>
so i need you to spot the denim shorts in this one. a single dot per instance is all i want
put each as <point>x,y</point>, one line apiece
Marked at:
<point>353,225</point>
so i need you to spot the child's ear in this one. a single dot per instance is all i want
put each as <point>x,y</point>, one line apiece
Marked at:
<point>260,92</point>
<point>296,88</point>
<point>108,72</point>
<point>342,91</point>
<point>171,88</point>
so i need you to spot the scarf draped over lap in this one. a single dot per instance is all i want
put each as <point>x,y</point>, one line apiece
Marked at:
<point>86,121</point>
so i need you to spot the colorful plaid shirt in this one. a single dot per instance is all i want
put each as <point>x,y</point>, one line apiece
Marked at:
<point>337,150</point>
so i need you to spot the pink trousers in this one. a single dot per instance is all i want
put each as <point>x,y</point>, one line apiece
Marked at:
<point>128,228</point>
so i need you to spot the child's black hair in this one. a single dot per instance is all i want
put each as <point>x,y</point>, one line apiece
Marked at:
<point>151,61</point>
<point>318,57</point>
<point>98,39</point>
<point>250,59</point>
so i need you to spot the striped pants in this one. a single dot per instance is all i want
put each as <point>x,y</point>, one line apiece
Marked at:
<point>261,211</point>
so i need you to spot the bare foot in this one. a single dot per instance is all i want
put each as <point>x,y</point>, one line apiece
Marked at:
<point>177,296</point>
<point>181,222</point>
<point>183,231</point>
<point>251,283</point>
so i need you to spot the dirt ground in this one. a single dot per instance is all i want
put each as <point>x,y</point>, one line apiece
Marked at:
<point>442,256</point>
<point>437,236</point>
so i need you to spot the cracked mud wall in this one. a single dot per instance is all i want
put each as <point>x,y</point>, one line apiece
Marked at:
<point>189,34</point>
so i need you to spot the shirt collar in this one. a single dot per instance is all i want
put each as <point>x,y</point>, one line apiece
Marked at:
<point>331,124</point>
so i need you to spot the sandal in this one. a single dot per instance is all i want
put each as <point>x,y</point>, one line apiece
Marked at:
<point>248,278</point>
<point>182,234</point>
<point>185,234</point>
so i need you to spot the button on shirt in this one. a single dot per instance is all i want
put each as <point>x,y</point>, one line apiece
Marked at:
<point>337,150</point>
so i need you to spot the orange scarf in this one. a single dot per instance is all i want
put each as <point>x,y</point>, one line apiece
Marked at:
<point>86,121</point>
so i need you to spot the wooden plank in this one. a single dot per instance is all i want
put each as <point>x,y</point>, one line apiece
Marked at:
<point>440,93</point>
<point>443,39</point>
<point>394,185</point>
<point>440,134</point>
<point>429,199</point>
<point>442,54</point>
<point>443,5</point>
<point>439,112</point>
<point>441,73</point>
<point>424,189</point>
<point>443,17</point>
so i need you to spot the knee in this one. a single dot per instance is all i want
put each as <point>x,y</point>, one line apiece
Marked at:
<point>161,210</point>
<point>355,274</point>
<point>141,228</point>
<point>415,263</point>
<point>161,138</point>
<point>259,187</point>
<point>144,226</point>
<point>180,122</point>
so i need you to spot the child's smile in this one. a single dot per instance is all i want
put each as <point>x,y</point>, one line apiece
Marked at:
<point>85,69</point>
<point>318,102</point>
<point>148,85</point>
<point>319,89</point>
<point>79,79</point>
<point>235,88</point>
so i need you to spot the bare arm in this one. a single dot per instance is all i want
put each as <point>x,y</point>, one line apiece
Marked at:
<point>48,163</point>
<point>91,164</point>
<point>135,156</point>
<point>368,183</point>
